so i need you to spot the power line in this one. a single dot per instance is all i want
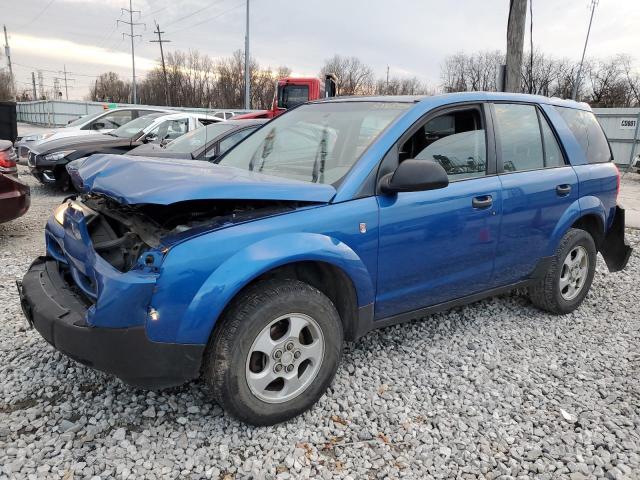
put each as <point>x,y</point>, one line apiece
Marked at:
<point>576,84</point>
<point>193,13</point>
<point>241,4</point>
<point>39,14</point>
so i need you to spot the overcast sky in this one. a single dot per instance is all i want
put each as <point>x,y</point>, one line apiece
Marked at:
<point>412,37</point>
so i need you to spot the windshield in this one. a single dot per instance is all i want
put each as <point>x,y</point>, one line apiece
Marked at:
<point>197,139</point>
<point>314,143</point>
<point>130,129</point>
<point>291,95</point>
<point>82,120</point>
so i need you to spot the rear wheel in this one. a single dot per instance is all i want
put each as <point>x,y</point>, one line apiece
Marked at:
<point>568,278</point>
<point>275,352</point>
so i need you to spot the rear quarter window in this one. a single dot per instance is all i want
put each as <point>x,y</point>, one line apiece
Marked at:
<point>588,133</point>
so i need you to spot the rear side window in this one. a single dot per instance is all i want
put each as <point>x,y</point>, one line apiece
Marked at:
<point>526,139</point>
<point>521,143</point>
<point>588,133</point>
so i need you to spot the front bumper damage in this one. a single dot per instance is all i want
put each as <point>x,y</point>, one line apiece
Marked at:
<point>615,249</point>
<point>58,313</point>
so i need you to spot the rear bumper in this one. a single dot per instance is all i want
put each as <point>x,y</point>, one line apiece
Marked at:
<point>615,249</point>
<point>58,314</point>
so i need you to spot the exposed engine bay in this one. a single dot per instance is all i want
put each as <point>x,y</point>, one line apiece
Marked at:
<point>121,233</point>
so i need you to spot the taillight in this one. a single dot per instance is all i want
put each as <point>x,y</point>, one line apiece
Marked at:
<point>617,181</point>
<point>7,160</point>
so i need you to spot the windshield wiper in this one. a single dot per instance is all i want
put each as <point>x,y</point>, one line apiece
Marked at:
<point>267,148</point>
<point>321,154</point>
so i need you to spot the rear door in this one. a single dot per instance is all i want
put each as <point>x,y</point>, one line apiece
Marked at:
<point>538,186</point>
<point>439,245</point>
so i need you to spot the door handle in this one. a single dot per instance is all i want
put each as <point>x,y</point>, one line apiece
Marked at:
<point>563,190</point>
<point>482,202</point>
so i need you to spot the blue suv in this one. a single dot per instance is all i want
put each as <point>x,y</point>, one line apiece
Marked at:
<point>335,218</point>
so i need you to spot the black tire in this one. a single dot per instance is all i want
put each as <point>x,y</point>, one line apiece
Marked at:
<point>546,293</point>
<point>226,357</point>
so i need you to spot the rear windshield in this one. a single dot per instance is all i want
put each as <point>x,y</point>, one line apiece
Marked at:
<point>134,127</point>
<point>84,119</point>
<point>198,138</point>
<point>588,133</point>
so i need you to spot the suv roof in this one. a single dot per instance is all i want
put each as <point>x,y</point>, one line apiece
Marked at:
<point>464,97</point>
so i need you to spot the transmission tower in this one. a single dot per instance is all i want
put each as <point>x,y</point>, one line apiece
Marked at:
<point>132,24</point>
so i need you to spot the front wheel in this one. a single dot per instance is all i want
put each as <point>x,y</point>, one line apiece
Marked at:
<point>568,278</point>
<point>275,352</point>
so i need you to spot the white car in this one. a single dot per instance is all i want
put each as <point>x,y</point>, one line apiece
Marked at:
<point>100,122</point>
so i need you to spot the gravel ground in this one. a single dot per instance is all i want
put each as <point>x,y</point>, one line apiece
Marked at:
<point>495,389</point>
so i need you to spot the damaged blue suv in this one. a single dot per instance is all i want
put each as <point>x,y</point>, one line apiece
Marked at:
<point>335,218</point>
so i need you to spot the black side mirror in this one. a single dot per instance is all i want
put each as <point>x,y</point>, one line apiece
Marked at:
<point>98,126</point>
<point>415,176</point>
<point>150,138</point>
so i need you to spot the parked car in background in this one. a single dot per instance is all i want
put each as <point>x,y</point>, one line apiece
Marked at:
<point>47,161</point>
<point>15,196</point>
<point>206,143</point>
<point>100,122</point>
<point>335,218</point>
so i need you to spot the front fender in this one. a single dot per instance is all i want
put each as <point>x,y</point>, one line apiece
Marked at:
<point>588,205</point>
<point>260,257</point>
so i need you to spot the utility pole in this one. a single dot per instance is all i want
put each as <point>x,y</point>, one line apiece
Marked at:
<point>66,80</point>
<point>41,85</point>
<point>515,44</point>
<point>7,52</point>
<point>131,24</point>
<point>33,83</point>
<point>66,88</point>
<point>386,90</point>
<point>160,41</point>
<point>247,81</point>
<point>576,84</point>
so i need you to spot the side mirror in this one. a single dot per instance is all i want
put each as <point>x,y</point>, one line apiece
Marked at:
<point>415,176</point>
<point>98,125</point>
<point>150,138</point>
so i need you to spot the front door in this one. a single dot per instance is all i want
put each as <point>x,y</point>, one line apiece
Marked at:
<point>439,245</point>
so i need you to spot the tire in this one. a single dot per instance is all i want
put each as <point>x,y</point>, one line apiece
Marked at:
<point>255,322</point>
<point>560,291</point>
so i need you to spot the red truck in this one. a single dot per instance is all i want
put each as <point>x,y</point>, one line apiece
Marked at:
<point>292,91</point>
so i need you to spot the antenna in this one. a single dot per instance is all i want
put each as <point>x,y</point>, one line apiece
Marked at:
<point>131,24</point>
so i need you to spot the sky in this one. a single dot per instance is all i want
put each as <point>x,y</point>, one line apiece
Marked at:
<point>411,37</point>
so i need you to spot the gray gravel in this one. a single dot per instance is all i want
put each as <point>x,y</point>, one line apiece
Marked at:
<point>494,390</point>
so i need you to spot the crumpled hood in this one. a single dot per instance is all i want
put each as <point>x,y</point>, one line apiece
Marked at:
<point>136,180</point>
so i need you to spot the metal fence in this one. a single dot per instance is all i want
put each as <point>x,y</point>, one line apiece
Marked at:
<point>57,113</point>
<point>621,126</point>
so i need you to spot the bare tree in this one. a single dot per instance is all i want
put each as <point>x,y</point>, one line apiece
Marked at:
<point>109,87</point>
<point>354,77</point>
<point>6,87</point>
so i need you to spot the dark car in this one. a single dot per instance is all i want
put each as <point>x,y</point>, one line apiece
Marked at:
<point>8,158</point>
<point>206,143</point>
<point>15,196</point>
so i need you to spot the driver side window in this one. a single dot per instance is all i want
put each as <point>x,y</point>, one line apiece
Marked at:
<point>456,140</point>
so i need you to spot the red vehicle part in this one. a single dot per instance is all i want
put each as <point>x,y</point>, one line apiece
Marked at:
<point>15,198</point>
<point>292,91</point>
<point>8,158</point>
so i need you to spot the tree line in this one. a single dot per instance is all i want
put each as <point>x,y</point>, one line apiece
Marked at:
<point>194,79</point>
<point>609,82</point>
